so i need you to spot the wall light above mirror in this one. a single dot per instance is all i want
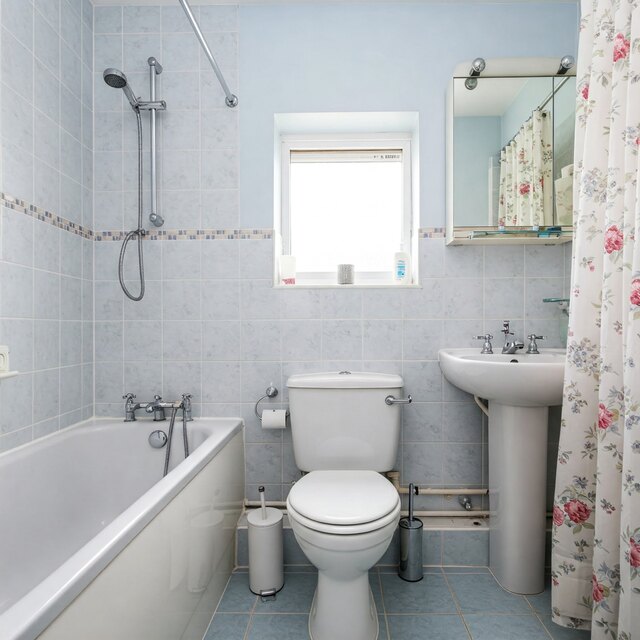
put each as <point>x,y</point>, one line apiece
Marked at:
<point>510,126</point>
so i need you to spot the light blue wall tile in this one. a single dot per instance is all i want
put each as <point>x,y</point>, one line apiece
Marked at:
<point>17,237</point>
<point>503,262</point>
<point>141,19</point>
<point>466,548</point>
<point>341,339</point>
<point>422,380</point>
<point>422,463</point>
<point>221,382</point>
<point>462,422</point>
<point>182,340</point>
<point>504,296</point>
<point>263,463</point>
<point>425,302</point>
<point>462,464</point>
<point>46,389</point>
<point>16,409</point>
<point>221,340</point>
<point>382,340</point>
<point>421,339</point>
<point>301,340</point>
<point>17,18</point>
<point>46,344</point>
<point>422,422</point>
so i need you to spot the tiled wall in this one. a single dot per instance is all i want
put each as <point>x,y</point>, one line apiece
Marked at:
<point>214,326</point>
<point>197,135</point>
<point>46,264</point>
<point>211,323</point>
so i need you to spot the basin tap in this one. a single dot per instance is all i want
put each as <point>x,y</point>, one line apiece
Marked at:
<point>510,346</point>
<point>533,345</point>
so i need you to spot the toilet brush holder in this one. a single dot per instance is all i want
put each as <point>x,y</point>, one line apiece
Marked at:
<point>266,572</point>
<point>410,568</point>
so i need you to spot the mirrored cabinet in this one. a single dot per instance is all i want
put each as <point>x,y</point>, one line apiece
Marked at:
<point>510,130</point>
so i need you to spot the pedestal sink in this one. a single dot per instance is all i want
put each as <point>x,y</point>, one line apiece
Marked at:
<point>520,389</point>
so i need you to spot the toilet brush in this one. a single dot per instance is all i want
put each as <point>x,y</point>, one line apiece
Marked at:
<point>410,568</point>
<point>263,506</point>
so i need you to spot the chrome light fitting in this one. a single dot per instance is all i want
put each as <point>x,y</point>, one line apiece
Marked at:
<point>477,67</point>
<point>565,64</point>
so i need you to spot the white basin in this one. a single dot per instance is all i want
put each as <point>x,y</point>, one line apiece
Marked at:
<point>519,379</point>
<point>519,388</point>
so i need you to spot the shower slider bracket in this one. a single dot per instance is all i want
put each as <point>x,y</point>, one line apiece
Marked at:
<point>158,105</point>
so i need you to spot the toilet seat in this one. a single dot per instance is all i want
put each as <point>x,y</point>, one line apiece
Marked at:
<point>343,502</point>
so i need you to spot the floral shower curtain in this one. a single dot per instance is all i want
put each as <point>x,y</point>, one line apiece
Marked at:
<point>596,516</point>
<point>526,165</point>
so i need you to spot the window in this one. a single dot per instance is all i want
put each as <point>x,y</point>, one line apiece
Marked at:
<point>345,199</point>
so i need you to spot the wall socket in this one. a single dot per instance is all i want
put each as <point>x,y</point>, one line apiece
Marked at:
<point>4,358</point>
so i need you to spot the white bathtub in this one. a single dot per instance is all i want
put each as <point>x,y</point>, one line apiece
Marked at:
<point>95,544</point>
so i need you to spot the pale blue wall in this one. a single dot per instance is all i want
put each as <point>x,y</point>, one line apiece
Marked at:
<point>373,57</point>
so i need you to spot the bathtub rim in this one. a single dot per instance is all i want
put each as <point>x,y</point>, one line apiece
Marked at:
<point>34,611</point>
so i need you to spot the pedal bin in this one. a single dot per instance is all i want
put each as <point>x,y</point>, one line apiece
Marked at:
<point>266,573</point>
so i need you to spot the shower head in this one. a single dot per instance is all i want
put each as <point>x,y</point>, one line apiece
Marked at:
<point>116,79</point>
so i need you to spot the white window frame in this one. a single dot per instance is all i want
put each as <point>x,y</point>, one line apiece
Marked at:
<point>346,142</point>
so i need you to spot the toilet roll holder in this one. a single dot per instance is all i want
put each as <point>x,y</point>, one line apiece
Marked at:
<point>270,392</point>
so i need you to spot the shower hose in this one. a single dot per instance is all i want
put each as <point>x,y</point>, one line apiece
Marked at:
<point>185,441</point>
<point>136,232</point>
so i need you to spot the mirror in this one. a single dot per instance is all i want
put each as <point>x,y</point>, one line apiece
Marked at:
<point>510,156</point>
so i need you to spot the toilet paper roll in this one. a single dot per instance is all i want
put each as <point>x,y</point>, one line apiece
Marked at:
<point>274,419</point>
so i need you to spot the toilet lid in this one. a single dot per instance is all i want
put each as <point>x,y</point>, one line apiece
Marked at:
<point>343,497</point>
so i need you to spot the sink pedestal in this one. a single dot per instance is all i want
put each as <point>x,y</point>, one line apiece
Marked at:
<point>517,495</point>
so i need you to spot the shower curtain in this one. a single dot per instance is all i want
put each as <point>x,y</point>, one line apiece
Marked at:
<point>526,184</point>
<point>596,515</point>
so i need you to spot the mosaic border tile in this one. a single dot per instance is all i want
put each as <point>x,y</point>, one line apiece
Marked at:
<point>431,232</point>
<point>190,234</point>
<point>38,213</point>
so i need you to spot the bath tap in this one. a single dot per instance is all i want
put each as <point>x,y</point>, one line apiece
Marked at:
<point>510,346</point>
<point>156,406</point>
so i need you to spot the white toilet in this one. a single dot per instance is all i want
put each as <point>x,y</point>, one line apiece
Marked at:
<point>344,512</point>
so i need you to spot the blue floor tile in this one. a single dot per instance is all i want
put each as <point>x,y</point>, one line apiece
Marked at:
<point>492,627</point>
<point>237,597</point>
<point>411,627</point>
<point>279,627</point>
<point>295,597</point>
<point>466,570</point>
<point>382,625</point>
<point>227,626</point>
<point>376,589</point>
<point>430,595</point>
<point>479,593</point>
<point>541,602</point>
<point>562,633</point>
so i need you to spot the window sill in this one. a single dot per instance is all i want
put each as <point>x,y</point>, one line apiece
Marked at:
<point>330,285</point>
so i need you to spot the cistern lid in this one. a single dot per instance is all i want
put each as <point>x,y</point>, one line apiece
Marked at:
<point>345,380</point>
<point>343,497</point>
